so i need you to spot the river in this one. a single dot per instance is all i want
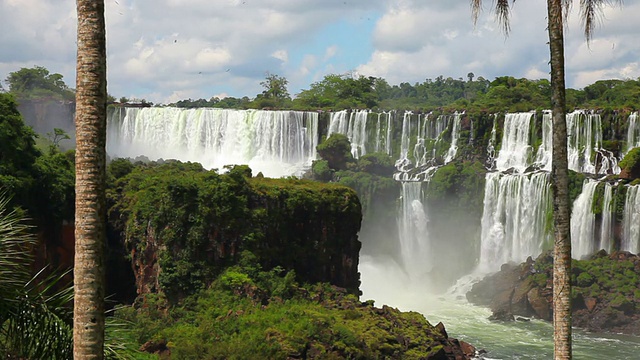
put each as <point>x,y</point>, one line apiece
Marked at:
<point>532,339</point>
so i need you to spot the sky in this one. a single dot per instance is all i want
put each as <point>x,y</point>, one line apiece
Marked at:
<point>167,50</point>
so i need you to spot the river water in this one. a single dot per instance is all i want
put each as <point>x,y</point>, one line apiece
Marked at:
<point>387,284</point>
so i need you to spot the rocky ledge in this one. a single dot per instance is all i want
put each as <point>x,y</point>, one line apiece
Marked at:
<point>605,294</point>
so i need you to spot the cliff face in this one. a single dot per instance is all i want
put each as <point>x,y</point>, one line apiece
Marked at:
<point>183,225</point>
<point>45,115</point>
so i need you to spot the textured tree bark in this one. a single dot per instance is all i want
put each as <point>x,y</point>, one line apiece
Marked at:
<point>560,187</point>
<point>90,213</point>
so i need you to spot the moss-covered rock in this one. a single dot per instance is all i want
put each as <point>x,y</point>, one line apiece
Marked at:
<point>630,165</point>
<point>252,314</point>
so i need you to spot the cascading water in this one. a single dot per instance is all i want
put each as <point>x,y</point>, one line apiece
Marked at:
<point>584,145</point>
<point>631,221</point>
<point>420,161</point>
<point>543,156</point>
<point>516,205</point>
<point>606,231</point>
<point>633,132</point>
<point>455,135</point>
<point>491,147</point>
<point>413,227</point>
<point>514,218</point>
<point>354,125</point>
<point>583,222</point>
<point>516,149</point>
<point>277,143</point>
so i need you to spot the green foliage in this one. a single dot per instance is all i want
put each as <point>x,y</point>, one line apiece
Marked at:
<point>631,162</point>
<point>37,83</point>
<point>198,222</point>
<point>40,183</point>
<point>339,92</point>
<point>267,315</point>
<point>576,180</point>
<point>336,150</point>
<point>321,170</point>
<point>377,164</point>
<point>275,94</point>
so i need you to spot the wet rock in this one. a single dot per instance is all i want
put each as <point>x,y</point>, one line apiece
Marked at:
<point>501,315</point>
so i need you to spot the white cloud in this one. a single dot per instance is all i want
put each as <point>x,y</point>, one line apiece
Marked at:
<point>282,55</point>
<point>166,49</point>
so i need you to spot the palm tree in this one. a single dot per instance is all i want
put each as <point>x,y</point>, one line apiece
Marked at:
<point>557,15</point>
<point>90,213</point>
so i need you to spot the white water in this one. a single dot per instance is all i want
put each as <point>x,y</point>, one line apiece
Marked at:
<point>584,145</point>
<point>514,218</point>
<point>455,135</point>
<point>491,147</point>
<point>633,132</point>
<point>631,221</point>
<point>420,161</point>
<point>516,205</point>
<point>515,151</point>
<point>583,222</point>
<point>387,283</point>
<point>353,124</point>
<point>543,157</point>
<point>277,143</point>
<point>413,223</point>
<point>606,228</point>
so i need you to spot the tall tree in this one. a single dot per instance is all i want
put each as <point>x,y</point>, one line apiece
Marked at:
<point>558,11</point>
<point>90,213</point>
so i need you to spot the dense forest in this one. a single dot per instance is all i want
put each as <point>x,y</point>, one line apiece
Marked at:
<point>352,91</point>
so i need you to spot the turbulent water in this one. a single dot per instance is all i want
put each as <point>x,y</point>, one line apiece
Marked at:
<point>388,284</point>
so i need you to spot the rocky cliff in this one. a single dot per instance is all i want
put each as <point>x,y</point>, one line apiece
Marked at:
<point>182,225</point>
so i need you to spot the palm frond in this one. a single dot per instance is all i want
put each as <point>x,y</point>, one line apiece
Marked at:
<point>502,12</point>
<point>16,242</point>
<point>591,12</point>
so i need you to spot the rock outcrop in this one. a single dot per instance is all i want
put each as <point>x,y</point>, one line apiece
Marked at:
<point>605,295</point>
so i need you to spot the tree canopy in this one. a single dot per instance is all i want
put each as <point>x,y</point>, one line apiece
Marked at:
<point>38,83</point>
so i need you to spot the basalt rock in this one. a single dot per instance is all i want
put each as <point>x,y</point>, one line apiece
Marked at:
<point>605,295</point>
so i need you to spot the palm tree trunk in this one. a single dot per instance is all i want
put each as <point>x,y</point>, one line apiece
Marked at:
<point>90,215</point>
<point>560,185</point>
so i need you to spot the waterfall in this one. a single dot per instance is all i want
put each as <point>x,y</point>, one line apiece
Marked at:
<point>455,135</point>
<point>606,231</point>
<point>543,156</point>
<point>277,143</point>
<point>390,117</point>
<point>584,145</point>
<point>354,125</point>
<point>514,219</point>
<point>491,147</point>
<point>631,221</point>
<point>516,205</point>
<point>413,231</point>
<point>515,151</point>
<point>633,132</point>
<point>583,221</point>
<point>378,129</point>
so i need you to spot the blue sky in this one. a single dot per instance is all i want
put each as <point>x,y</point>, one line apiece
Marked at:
<point>167,50</point>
